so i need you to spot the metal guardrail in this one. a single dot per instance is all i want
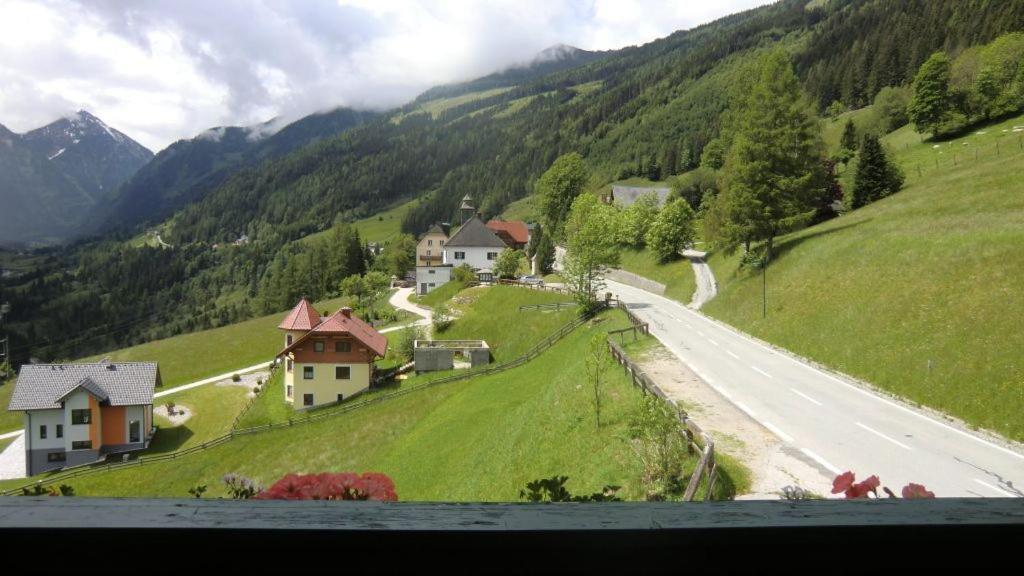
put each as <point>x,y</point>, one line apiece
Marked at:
<point>342,408</point>
<point>706,467</point>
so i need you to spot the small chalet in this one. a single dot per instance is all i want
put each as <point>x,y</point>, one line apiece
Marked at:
<point>327,359</point>
<point>80,413</point>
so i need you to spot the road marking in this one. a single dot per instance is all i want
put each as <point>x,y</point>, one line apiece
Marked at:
<point>996,488</point>
<point>821,461</point>
<point>743,407</point>
<point>729,352</point>
<point>785,437</point>
<point>805,396</point>
<point>853,387</point>
<point>758,370</point>
<point>712,341</point>
<point>883,436</point>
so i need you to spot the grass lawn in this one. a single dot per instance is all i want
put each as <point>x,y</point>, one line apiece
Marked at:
<point>530,422</point>
<point>677,276</point>
<point>918,293</point>
<point>198,355</point>
<point>9,421</point>
<point>213,410</point>
<point>487,313</point>
<point>525,209</point>
<point>442,293</point>
<point>5,443</point>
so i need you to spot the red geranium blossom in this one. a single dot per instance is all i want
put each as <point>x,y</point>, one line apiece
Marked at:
<point>916,491</point>
<point>842,482</point>
<point>331,486</point>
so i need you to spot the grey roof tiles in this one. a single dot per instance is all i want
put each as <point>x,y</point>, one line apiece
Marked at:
<point>43,386</point>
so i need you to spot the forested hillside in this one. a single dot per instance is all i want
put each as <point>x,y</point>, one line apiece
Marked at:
<point>651,110</point>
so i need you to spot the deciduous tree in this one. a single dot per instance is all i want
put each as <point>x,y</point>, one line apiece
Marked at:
<point>559,186</point>
<point>930,104</point>
<point>589,248</point>
<point>671,230</point>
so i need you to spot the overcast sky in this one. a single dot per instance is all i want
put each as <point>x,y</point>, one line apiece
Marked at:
<point>164,70</point>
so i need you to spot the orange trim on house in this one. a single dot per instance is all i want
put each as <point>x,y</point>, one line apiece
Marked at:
<point>113,424</point>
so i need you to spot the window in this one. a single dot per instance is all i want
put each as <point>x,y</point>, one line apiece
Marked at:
<point>307,399</point>
<point>492,255</point>
<point>342,346</point>
<point>431,284</point>
<point>431,271</point>
<point>60,430</point>
<point>288,391</point>
<point>81,416</point>
<point>42,432</point>
<point>307,372</point>
<point>56,457</point>
<point>341,397</point>
<point>289,364</point>
<point>428,253</point>
<point>342,373</point>
<point>81,445</point>
<point>318,346</point>
<point>460,255</point>
<point>134,431</point>
<point>429,243</point>
<point>288,340</point>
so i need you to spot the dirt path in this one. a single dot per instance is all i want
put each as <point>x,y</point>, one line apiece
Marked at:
<point>771,463</point>
<point>707,287</point>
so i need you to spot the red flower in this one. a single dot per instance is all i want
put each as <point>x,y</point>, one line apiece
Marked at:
<point>916,491</point>
<point>331,486</point>
<point>842,482</point>
<point>862,489</point>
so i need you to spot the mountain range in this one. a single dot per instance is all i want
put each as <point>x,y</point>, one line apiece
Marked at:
<point>52,178</point>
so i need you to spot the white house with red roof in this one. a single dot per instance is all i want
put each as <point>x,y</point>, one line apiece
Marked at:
<point>327,359</point>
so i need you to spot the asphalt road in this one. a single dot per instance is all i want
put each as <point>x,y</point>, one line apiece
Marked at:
<point>836,424</point>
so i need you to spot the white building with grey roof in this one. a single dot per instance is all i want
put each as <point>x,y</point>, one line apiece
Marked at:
<point>81,413</point>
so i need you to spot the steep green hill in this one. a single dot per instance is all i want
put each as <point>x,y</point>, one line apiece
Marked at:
<point>916,293</point>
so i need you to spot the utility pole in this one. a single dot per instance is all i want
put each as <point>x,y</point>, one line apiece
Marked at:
<point>764,285</point>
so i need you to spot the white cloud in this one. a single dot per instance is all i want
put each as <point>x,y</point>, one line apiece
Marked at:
<point>160,71</point>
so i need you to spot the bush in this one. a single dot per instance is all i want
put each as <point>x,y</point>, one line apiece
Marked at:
<point>442,317</point>
<point>197,491</point>
<point>240,487</point>
<point>332,486</point>
<point>236,378</point>
<point>405,348</point>
<point>553,490</point>
<point>463,274</point>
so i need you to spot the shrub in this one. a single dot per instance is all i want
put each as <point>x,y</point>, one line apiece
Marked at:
<point>657,441</point>
<point>405,349</point>
<point>442,317</point>
<point>236,378</point>
<point>197,491</point>
<point>463,274</point>
<point>553,490</point>
<point>255,389</point>
<point>40,490</point>
<point>332,486</point>
<point>240,487</point>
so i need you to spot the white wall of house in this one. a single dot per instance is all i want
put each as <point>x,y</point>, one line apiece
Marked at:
<point>50,419</point>
<point>134,413</point>
<point>79,400</point>
<point>475,257</point>
<point>429,278</point>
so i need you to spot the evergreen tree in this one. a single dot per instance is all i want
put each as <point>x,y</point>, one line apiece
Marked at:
<point>930,104</point>
<point>545,255</point>
<point>653,169</point>
<point>876,176</point>
<point>849,139</point>
<point>773,171</point>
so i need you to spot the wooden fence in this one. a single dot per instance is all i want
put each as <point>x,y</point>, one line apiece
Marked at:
<point>341,408</point>
<point>558,289</point>
<point>555,306</point>
<point>696,439</point>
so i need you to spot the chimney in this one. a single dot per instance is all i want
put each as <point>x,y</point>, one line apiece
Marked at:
<point>346,312</point>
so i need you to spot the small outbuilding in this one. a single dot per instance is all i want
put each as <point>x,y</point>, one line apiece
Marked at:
<point>435,355</point>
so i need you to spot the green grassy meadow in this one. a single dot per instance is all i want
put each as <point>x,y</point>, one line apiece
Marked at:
<point>9,421</point>
<point>530,422</point>
<point>190,357</point>
<point>677,276</point>
<point>914,293</point>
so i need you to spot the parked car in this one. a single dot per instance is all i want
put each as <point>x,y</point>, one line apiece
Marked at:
<point>533,280</point>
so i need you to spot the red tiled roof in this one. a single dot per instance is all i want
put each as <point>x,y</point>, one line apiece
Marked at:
<point>340,323</point>
<point>302,317</point>
<point>515,229</point>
